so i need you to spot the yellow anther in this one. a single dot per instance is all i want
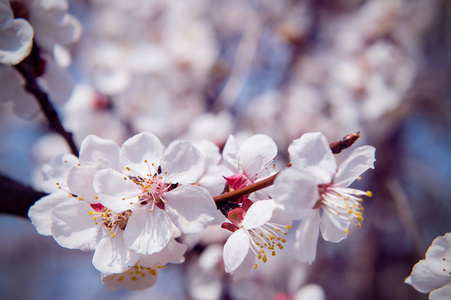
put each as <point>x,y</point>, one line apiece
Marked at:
<point>90,212</point>
<point>134,278</point>
<point>284,240</point>
<point>288,227</point>
<point>111,277</point>
<point>152,272</point>
<point>346,230</point>
<point>274,253</point>
<point>369,194</point>
<point>112,235</point>
<point>120,278</point>
<point>255,267</point>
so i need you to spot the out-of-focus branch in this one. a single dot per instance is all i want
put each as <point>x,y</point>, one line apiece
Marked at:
<point>16,198</point>
<point>28,70</point>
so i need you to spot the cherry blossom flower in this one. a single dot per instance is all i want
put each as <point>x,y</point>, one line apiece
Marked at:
<point>433,274</point>
<point>315,190</point>
<point>72,213</point>
<point>156,187</point>
<point>258,230</point>
<point>249,162</point>
<point>16,36</point>
<point>144,273</point>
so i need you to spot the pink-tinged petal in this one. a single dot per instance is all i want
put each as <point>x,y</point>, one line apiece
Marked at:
<point>296,191</point>
<point>236,216</point>
<point>182,163</point>
<point>148,232</point>
<point>116,191</point>
<point>54,173</point>
<point>40,212</point>
<point>360,160</point>
<point>191,208</point>
<point>79,181</point>
<point>333,228</point>
<point>259,213</point>
<point>443,293</point>
<point>310,292</point>
<point>311,152</point>
<point>73,227</point>
<point>101,152</point>
<point>245,267</point>
<point>307,237</point>
<point>255,154</point>
<point>15,42</point>
<point>131,281</point>
<point>139,153</point>
<point>235,250</point>
<point>230,153</point>
<point>424,280</point>
<point>111,255</point>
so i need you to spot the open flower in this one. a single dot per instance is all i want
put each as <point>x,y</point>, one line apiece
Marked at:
<point>433,274</point>
<point>315,190</point>
<point>16,36</point>
<point>250,162</point>
<point>259,230</point>
<point>156,188</point>
<point>144,273</point>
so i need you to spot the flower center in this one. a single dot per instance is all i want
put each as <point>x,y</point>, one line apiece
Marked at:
<point>343,202</point>
<point>266,238</point>
<point>111,220</point>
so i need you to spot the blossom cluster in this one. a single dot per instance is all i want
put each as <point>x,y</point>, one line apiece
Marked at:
<point>130,204</point>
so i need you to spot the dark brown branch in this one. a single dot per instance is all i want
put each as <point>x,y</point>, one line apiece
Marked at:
<point>16,198</point>
<point>336,147</point>
<point>28,70</point>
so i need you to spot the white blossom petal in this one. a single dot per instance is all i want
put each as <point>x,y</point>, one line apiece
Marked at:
<point>245,267</point>
<point>148,232</point>
<point>442,293</point>
<point>111,255</point>
<point>15,42</point>
<point>40,212</point>
<point>357,162</point>
<point>296,191</point>
<point>230,154</point>
<point>307,237</point>
<point>140,148</point>
<point>312,153</point>
<point>255,154</point>
<point>235,250</point>
<point>79,181</point>
<point>101,152</point>
<point>438,255</point>
<point>116,191</point>
<point>182,162</point>
<point>73,227</point>
<point>54,173</point>
<point>424,280</point>
<point>333,228</point>
<point>132,281</point>
<point>172,253</point>
<point>191,208</point>
<point>258,214</point>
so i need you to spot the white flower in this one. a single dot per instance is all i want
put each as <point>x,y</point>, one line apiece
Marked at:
<point>16,36</point>
<point>314,184</point>
<point>144,273</point>
<point>249,162</point>
<point>156,188</point>
<point>258,231</point>
<point>72,213</point>
<point>433,274</point>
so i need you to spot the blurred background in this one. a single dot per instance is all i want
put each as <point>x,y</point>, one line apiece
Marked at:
<point>204,69</point>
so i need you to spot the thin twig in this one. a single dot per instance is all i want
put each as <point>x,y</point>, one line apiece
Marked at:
<point>32,87</point>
